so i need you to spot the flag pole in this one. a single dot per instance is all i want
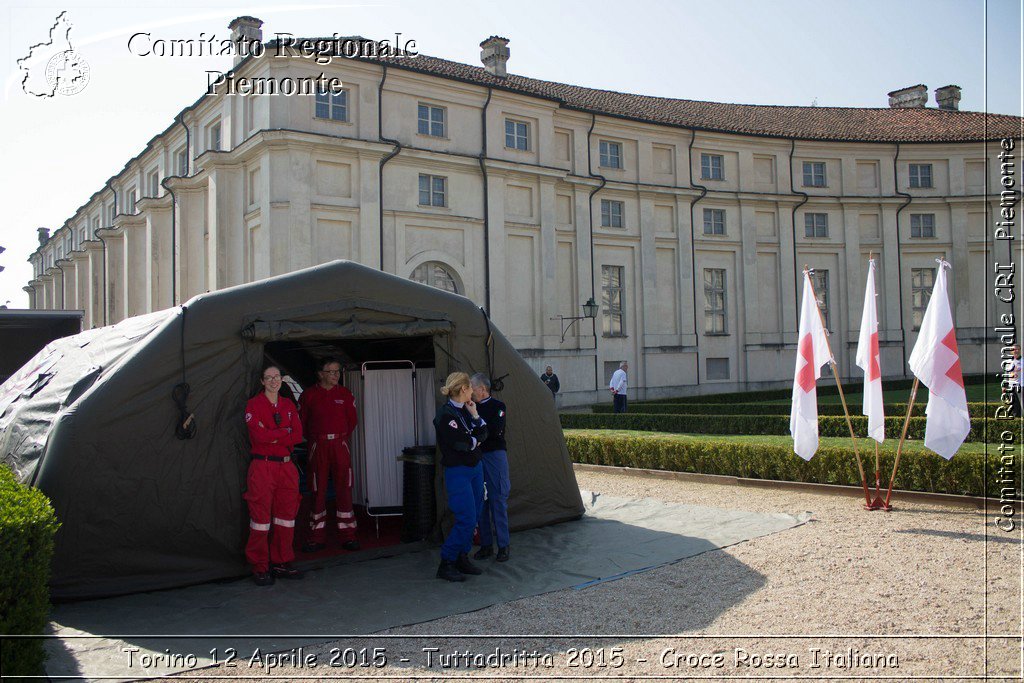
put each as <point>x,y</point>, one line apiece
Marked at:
<point>877,503</point>
<point>842,396</point>
<point>899,449</point>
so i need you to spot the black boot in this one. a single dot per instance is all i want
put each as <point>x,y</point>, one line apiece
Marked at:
<point>484,552</point>
<point>448,572</point>
<point>466,567</point>
<point>502,554</point>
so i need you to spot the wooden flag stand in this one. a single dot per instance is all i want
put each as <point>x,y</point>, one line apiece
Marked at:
<point>842,397</point>
<point>899,449</point>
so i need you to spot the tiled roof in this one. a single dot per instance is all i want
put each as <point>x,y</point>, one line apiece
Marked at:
<point>837,124</point>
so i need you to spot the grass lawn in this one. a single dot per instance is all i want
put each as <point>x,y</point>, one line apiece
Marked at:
<point>854,397</point>
<point>867,448</point>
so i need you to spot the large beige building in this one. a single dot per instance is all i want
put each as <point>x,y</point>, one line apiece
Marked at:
<point>686,221</point>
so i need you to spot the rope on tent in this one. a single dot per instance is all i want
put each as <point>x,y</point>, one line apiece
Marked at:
<point>496,382</point>
<point>185,428</point>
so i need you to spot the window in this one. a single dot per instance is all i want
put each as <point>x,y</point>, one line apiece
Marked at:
<point>215,137</point>
<point>95,226</point>
<point>819,280</point>
<point>920,175</point>
<point>611,154</point>
<point>332,106</point>
<point>714,301</point>
<point>611,213</point>
<point>922,280</point>
<point>711,166</point>
<point>717,368</point>
<point>922,225</point>
<point>153,180</point>
<point>814,174</point>
<point>254,186</point>
<point>435,274</point>
<point>431,120</point>
<point>131,200</point>
<point>815,225</point>
<point>182,163</point>
<point>111,214</point>
<point>612,294</point>
<point>714,221</point>
<point>433,190</point>
<point>517,135</point>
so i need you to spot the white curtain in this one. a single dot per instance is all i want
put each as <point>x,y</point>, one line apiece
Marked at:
<point>388,402</point>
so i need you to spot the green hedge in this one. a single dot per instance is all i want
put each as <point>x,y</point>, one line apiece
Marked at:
<point>27,527</point>
<point>828,425</point>
<point>774,394</point>
<point>892,410</point>
<point>928,472</point>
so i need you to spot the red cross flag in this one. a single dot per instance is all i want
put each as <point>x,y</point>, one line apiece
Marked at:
<point>812,353</point>
<point>935,360</point>
<point>868,360</point>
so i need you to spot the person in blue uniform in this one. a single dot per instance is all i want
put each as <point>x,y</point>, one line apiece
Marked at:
<point>496,480</point>
<point>460,431</point>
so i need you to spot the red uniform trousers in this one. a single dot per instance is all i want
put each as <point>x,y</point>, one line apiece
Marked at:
<point>272,491</point>
<point>331,457</point>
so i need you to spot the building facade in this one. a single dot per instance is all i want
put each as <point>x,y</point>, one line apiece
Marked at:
<point>689,223</point>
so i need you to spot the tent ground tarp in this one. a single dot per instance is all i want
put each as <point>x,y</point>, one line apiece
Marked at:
<point>615,538</point>
<point>91,419</point>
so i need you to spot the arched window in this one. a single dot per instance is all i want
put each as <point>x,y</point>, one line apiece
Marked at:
<point>435,274</point>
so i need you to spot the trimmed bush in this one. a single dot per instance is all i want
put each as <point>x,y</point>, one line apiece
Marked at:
<point>892,410</point>
<point>828,425</point>
<point>851,386</point>
<point>27,528</point>
<point>963,475</point>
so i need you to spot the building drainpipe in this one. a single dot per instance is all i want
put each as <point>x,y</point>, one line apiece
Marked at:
<point>693,243</point>
<point>174,218</point>
<point>590,211</point>
<point>899,255</point>
<point>104,243</point>
<point>487,221</point>
<point>792,222</point>
<point>386,159</point>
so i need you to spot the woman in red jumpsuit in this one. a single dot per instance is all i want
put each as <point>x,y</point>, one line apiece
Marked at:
<point>272,485</point>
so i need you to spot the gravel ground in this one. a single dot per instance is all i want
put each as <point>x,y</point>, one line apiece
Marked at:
<point>864,594</point>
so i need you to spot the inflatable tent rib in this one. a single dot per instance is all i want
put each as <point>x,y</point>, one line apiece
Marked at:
<point>91,420</point>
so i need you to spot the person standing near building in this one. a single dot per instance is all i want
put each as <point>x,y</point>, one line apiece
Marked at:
<point>496,479</point>
<point>328,412</point>
<point>551,380</point>
<point>272,484</point>
<point>460,431</point>
<point>1015,382</point>
<point>618,387</point>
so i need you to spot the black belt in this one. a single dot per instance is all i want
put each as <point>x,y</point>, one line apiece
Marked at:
<point>273,458</point>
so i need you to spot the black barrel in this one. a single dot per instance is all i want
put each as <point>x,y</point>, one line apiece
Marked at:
<point>418,498</point>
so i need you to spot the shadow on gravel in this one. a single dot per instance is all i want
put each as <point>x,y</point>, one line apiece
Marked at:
<point>978,538</point>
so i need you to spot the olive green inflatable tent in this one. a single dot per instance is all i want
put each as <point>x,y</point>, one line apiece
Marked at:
<point>149,499</point>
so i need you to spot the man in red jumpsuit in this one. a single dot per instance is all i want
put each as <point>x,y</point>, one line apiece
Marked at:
<point>328,414</point>
<point>272,486</point>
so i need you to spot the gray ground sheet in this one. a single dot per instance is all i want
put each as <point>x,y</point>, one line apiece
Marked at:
<point>615,537</point>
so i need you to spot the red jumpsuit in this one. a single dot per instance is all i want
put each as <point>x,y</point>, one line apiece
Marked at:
<point>272,486</point>
<point>329,418</point>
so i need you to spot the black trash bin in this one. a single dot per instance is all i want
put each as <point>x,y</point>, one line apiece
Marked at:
<point>418,499</point>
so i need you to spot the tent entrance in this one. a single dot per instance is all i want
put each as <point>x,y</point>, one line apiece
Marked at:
<point>393,382</point>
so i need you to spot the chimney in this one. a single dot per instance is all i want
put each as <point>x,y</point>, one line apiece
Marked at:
<point>948,97</point>
<point>244,32</point>
<point>915,96</point>
<point>44,235</point>
<point>494,55</point>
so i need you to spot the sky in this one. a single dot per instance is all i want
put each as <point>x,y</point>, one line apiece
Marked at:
<point>59,151</point>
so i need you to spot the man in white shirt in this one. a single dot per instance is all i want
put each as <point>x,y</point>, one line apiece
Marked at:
<point>618,387</point>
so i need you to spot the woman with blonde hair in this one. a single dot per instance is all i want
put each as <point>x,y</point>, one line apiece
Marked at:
<point>460,430</point>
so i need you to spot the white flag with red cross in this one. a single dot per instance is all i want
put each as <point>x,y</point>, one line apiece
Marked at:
<point>812,353</point>
<point>868,359</point>
<point>935,361</point>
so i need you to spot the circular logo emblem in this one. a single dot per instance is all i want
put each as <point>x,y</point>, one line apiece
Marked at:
<point>67,72</point>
